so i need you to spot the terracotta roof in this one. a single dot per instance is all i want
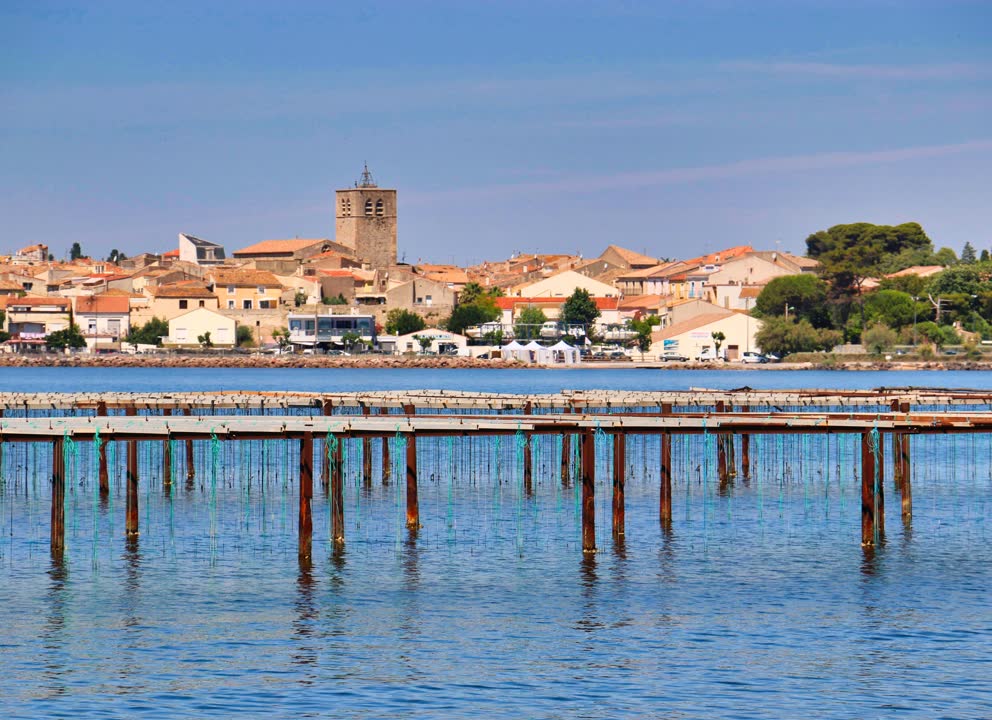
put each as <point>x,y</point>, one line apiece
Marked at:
<point>35,300</point>
<point>640,301</point>
<point>337,273</point>
<point>271,247</point>
<point>9,285</point>
<point>631,257</point>
<point>660,270</point>
<point>171,253</point>
<point>720,256</point>
<point>246,278</point>
<point>920,270</point>
<point>750,291</point>
<point>690,324</point>
<point>117,292</point>
<point>102,304</point>
<point>181,290</point>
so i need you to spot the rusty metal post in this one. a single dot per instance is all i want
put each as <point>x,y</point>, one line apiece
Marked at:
<point>167,458</point>
<point>326,409</point>
<point>896,452</point>
<point>131,515</point>
<point>619,482</point>
<point>103,474</point>
<point>905,465</point>
<point>190,461</point>
<point>665,507</point>
<point>587,455</point>
<point>412,503</point>
<point>746,450</point>
<point>337,493</point>
<point>528,457</point>
<point>566,456</point>
<point>366,453</point>
<point>305,547</point>
<point>872,498</point>
<point>58,498</point>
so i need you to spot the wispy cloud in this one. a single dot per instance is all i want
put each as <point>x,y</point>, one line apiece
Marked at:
<point>727,171</point>
<point>939,71</point>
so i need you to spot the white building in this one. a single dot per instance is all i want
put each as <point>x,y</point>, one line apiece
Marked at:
<point>694,336</point>
<point>307,330</point>
<point>185,329</point>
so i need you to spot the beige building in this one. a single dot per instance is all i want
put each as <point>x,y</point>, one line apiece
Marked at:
<point>169,301</point>
<point>694,336</point>
<point>30,319</point>
<point>245,289</point>
<point>104,320</point>
<point>365,222</point>
<point>563,285</point>
<point>186,328</point>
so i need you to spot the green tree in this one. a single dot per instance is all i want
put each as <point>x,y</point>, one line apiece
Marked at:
<point>336,300</point>
<point>402,322</point>
<point>580,309</point>
<point>244,336</point>
<point>893,308</point>
<point>529,323</point>
<point>4,335</point>
<point>805,295</point>
<point>984,257</point>
<point>281,336</point>
<point>299,298</point>
<point>878,338</point>
<point>116,256</point>
<point>350,339</point>
<point>946,257</point>
<point>425,343</point>
<point>968,254</point>
<point>205,341</point>
<point>151,333</point>
<point>76,251</point>
<point>466,316</point>
<point>644,328</point>
<point>850,254</point>
<point>718,338</point>
<point>473,291</point>
<point>784,337</point>
<point>71,337</point>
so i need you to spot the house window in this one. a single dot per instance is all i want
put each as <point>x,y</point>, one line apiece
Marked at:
<point>428,299</point>
<point>261,289</point>
<point>379,208</point>
<point>180,334</point>
<point>91,327</point>
<point>231,290</point>
<point>264,304</point>
<point>246,304</point>
<point>230,304</point>
<point>183,304</point>
<point>202,303</point>
<point>368,208</point>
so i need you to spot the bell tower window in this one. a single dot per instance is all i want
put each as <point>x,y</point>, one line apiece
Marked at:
<point>346,207</point>
<point>368,208</point>
<point>379,209</point>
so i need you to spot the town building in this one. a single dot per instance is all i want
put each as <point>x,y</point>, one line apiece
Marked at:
<point>200,252</point>
<point>186,330</point>
<point>103,320</point>
<point>324,330</point>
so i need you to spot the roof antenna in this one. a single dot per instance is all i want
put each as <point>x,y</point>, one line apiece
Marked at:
<point>366,180</point>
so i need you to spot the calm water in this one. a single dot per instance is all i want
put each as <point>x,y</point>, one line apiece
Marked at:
<point>759,603</point>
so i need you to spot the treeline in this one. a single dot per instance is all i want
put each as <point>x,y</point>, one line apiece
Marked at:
<point>851,299</point>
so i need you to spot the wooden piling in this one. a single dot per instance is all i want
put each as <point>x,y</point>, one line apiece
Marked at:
<point>619,481</point>
<point>746,451</point>
<point>167,457</point>
<point>872,497</point>
<point>305,542</point>
<point>412,503</point>
<point>103,474</point>
<point>587,454</point>
<point>566,457</point>
<point>528,457</point>
<point>58,498</point>
<point>337,492</point>
<point>905,467</point>
<point>327,409</point>
<point>665,506</point>
<point>131,514</point>
<point>190,460</point>
<point>366,453</point>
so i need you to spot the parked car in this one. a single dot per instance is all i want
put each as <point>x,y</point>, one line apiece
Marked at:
<point>753,357</point>
<point>550,330</point>
<point>772,357</point>
<point>673,356</point>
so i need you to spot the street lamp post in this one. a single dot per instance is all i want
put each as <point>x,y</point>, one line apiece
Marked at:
<point>787,309</point>
<point>915,307</point>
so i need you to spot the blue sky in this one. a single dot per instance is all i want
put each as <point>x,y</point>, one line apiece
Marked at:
<point>670,128</point>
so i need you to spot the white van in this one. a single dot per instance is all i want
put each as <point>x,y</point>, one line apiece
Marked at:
<point>709,354</point>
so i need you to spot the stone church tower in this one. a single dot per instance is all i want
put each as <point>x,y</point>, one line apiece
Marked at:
<point>365,220</point>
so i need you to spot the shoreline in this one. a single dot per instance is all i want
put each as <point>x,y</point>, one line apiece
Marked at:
<point>442,363</point>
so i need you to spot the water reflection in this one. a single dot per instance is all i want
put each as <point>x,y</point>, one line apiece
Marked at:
<point>306,619</point>
<point>54,633</point>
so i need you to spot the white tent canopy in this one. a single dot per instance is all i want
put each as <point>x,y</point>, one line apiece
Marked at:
<point>564,353</point>
<point>514,350</point>
<point>535,352</point>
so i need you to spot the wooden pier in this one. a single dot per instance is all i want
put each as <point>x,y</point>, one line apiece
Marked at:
<point>331,418</point>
